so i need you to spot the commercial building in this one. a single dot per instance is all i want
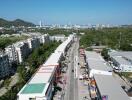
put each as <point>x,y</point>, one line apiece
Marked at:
<point>97,48</point>
<point>96,64</point>
<point>65,45</point>
<point>107,88</point>
<point>40,86</point>
<point>42,83</point>
<point>103,85</point>
<point>121,61</point>
<point>4,65</point>
<point>121,64</point>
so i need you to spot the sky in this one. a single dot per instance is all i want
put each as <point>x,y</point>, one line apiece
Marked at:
<point>115,12</point>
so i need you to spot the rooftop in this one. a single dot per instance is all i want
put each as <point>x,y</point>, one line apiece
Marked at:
<point>43,75</point>
<point>33,88</point>
<point>62,47</point>
<point>92,55</point>
<point>107,85</point>
<point>53,59</point>
<point>121,60</point>
<point>98,65</point>
<point>95,61</point>
<point>126,54</point>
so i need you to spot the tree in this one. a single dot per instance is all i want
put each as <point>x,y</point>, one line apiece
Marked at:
<point>104,53</point>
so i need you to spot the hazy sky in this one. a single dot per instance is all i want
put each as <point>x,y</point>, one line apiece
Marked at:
<point>65,11</point>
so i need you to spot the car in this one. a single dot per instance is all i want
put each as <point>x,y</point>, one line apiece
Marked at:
<point>80,77</point>
<point>72,70</point>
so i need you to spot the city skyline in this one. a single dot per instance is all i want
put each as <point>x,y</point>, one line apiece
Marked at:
<point>65,11</point>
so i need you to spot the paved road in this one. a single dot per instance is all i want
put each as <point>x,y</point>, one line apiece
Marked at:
<point>72,86</point>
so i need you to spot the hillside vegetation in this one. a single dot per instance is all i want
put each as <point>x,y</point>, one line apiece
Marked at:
<point>17,22</point>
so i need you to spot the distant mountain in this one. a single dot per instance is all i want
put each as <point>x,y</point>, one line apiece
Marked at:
<point>17,22</point>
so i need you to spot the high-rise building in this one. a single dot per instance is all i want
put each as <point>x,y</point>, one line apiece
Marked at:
<point>22,50</point>
<point>44,38</point>
<point>12,54</point>
<point>4,65</point>
<point>33,43</point>
<point>40,24</point>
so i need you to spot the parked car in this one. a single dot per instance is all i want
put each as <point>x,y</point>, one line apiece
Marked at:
<point>72,70</point>
<point>80,77</point>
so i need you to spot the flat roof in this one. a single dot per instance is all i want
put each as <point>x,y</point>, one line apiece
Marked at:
<point>43,75</point>
<point>38,81</point>
<point>62,46</point>
<point>95,61</point>
<point>126,54</point>
<point>53,59</point>
<point>98,65</point>
<point>108,86</point>
<point>121,60</point>
<point>33,88</point>
<point>93,56</point>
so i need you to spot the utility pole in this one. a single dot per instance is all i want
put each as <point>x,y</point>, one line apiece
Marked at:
<point>120,40</point>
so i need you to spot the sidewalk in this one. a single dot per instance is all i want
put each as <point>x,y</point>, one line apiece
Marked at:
<point>83,87</point>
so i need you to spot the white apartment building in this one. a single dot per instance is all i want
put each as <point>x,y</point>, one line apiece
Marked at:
<point>22,50</point>
<point>33,43</point>
<point>58,38</point>
<point>44,38</point>
<point>12,54</point>
<point>4,65</point>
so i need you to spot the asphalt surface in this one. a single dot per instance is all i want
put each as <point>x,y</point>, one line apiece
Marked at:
<point>71,92</point>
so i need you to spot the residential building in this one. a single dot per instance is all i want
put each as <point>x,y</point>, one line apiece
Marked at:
<point>4,65</point>
<point>12,54</point>
<point>22,50</point>
<point>44,38</point>
<point>107,88</point>
<point>33,43</point>
<point>58,38</point>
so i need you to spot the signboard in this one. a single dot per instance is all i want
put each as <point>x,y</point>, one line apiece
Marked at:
<point>105,97</point>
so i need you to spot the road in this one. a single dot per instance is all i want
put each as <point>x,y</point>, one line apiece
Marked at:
<point>71,92</point>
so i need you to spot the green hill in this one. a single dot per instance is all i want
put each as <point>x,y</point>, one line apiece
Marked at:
<point>17,22</point>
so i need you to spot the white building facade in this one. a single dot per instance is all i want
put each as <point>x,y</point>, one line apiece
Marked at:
<point>12,54</point>
<point>22,50</point>
<point>44,38</point>
<point>33,43</point>
<point>58,38</point>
